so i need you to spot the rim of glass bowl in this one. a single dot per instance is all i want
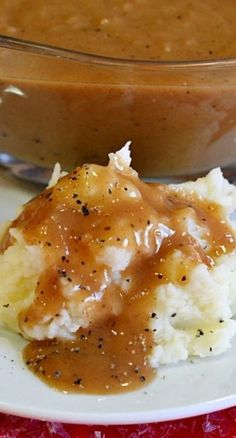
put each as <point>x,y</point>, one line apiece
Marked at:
<point>36,48</point>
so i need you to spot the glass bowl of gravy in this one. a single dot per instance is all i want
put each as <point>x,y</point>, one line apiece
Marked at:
<point>80,78</point>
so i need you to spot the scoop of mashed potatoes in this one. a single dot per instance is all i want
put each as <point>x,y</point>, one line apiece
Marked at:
<point>99,234</point>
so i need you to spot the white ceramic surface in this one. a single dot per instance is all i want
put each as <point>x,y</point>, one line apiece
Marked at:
<point>191,388</point>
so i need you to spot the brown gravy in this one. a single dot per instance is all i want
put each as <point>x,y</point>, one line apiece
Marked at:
<point>86,212</point>
<point>108,358</point>
<point>133,29</point>
<point>181,122</point>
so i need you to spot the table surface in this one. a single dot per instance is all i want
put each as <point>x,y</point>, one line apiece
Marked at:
<point>216,425</point>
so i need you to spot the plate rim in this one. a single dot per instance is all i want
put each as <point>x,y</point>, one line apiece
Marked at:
<point>106,418</point>
<point>121,418</point>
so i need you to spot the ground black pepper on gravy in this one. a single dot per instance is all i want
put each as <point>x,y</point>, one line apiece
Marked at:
<point>180,121</point>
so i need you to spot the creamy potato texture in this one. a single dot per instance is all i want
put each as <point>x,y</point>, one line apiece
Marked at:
<point>103,268</point>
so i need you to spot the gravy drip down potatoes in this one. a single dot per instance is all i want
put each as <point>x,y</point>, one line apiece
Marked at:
<point>109,277</point>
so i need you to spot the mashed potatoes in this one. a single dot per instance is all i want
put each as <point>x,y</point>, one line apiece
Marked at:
<point>180,247</point>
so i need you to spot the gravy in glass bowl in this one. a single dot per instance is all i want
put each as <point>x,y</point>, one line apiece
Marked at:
<point>159,73</point>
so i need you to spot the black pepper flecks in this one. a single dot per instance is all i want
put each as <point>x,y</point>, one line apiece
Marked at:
<point>77,381</point>
<point>62,273</point>
<point>200,332</point>
<point>37,140</point>
<point>85,210</point>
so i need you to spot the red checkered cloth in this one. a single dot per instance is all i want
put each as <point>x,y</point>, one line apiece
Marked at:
<point>216,425</point>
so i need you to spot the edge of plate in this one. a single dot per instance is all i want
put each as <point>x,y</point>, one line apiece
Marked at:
<point>121,418</point>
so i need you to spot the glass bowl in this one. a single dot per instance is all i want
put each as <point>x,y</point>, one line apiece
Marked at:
<point>71,107</point>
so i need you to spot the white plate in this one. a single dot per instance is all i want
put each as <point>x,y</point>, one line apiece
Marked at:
<point>180,391</point>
